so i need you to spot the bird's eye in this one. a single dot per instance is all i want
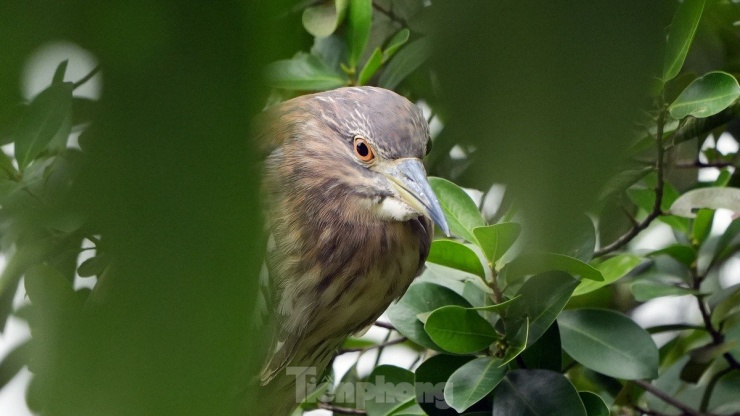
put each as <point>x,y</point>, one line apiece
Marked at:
<point>363,151</point>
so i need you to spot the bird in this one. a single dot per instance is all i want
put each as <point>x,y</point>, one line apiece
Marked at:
<point>349,213</point>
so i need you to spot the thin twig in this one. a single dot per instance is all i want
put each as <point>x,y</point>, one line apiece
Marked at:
<point>696,164</point>
<point>384,325</point>
<point>391,15</point>
<point>341,410</point>
<point>667,398</point>
<point>86,77</point>
<point>372,347</point>
<point>710,388</point>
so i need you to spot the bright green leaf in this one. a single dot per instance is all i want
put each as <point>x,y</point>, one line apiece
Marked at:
<point>702,225</point>
<point>609,343</point>
<point>458,256</point>
<point>421,297</point>
<point>706,96</point>
<point>682,253</point>
<point>715,198</point>
<point>644,290</point>
<point>371,66</point>
<point>406,61</point>
<point>461,212</point>
<point>496,239</point>
<point>593,403</point>
<point>459,330</point>
<point>612,269</point>
<point>360,20</point>
<point>303,72</point>
<point>322,20</point>
<point>683,28</point>
<point>45,116</point>
<point>533,263</point>
<point>472,382</point>
<point>398,40</point>
<point>536,393</point>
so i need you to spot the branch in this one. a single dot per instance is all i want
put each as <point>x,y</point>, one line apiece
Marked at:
<point>391,15</point>
<point>86,77</point>
<point>384,325</point>
<point>666,398</point>
<point>698,164</point>
<point>341,410</point>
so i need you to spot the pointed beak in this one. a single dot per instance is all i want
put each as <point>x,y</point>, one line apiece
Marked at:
<point>410,180</point>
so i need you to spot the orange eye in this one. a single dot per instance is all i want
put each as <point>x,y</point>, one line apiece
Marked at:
<point>363,151</point>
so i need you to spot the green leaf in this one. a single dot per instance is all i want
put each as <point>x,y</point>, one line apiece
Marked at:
<point>393,387</point>
<point>683,28</point>
<point>706,96</point>
<point>459,330</point>
<point>536,393</point>
<point>702,226</point>
<point>50,292</point>
<point>517,336</point>
<point>453,254</point>
<point>398,40</point>
<point>533,263</point>
<point>371,66</point>
<point>644,290</point>
<point>303,72</point>
<point>727,243</point>
<point>624,179</point>
<point>322,20</point>
<point>609,343</point>
<point>472,382</point>
<point>59,72</point>
<point>499,306</point>
<point>14,361</point>
<point>612,270</point>
<point>593,403</point>
<point>406,61</point>
<point>93,266</point>
<point>545,353</point>
<point>543,297</point>
<point>421,297</point>
<point>727,306</point>
<point>358,30</point>
<point>461,212</point>
<point>715,198</point>
<point>496,239</point>
<point>682,253</point>
<point>431,380</point>
<point>45,116</point>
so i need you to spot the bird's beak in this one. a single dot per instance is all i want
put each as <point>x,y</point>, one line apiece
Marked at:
<point>410,180</point>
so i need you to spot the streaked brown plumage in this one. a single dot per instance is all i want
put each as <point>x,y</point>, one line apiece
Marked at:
<point>348,210</point>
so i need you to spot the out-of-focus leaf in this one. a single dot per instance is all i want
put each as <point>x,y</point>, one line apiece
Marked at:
<point>45,116</point>
<point>682,253</point>
<point>421,297</point>
<point>683,28</point>
<point>706,96</point>
<point>431,380</point>
<point>322,20</point>
<point>472,382</point>
<point>609,343</point>
<point>13,362</point>
<point>533,263</point>
<point>60,72</point>
<point>394,386</point>
<point>496,239</point>
<point>702,226</point>
<point>593,403</point>
<point>715,198</point>
<point>612,269</point>
<point>461,212</point>
<point>727,243</point>
<point>398,40</point>
<point>458,256</point>
<point>303,72</point>
<point>371,66</point>
<point>93,266</point>
<point>726,307</point>
<point>406,61</point>
<point>83,110</point>
<point>50,292</point>
<point>360,20</point>
<point>623,180</point>
<point>459,330</point>
<point>644,290</point>
<point>534,393</point>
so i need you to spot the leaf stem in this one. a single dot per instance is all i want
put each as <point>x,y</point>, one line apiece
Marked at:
<point>667,398</point>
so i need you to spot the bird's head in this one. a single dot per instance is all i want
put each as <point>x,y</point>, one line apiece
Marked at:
<point>364,144</point>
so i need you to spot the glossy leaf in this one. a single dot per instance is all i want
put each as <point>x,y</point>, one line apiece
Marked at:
<point>593,403</point>
<point>406,61</point>
<point>392,388</point>
<point>461,212</point>
<point>545,353</point>
<point>322,20</point>
<point>715,198</point>
<point>644,290</point>
<point>706,96</point>
<point>431,380</point>
<point>499,306</point>
<point>517,336</point>
<point>360,20</point>
<point>458,256</point>
<point>41,123</point>
<point>303,72</point>
<point>533,263</point>
<point>683,28</point>
<point>496,239</point>
<point>398,40</point>
<point>681,253</point>
<point>609,343</point>
<point>612,270</point>
<point>459,330</point>
<point>421,297</point>
<point>371,66</point>
<point>472,382</point>
<point>536,393</point>
<point>543,297</point>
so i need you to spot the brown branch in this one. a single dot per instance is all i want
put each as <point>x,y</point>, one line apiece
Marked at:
<point>384,325</point>
<point>341,410</point>
<point>667,398</point>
